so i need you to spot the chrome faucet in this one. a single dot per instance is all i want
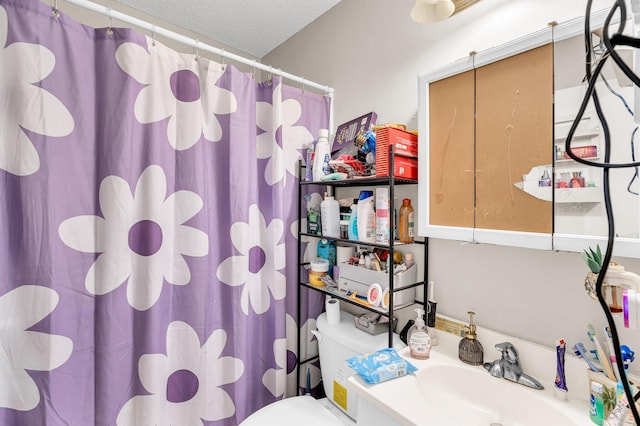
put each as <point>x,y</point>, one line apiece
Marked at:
<point>509,367</point>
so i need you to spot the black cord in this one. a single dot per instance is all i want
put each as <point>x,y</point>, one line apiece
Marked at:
<point>633,133</point>
<point>606,166</point>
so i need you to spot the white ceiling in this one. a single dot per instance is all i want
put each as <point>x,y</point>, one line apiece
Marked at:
<point>255,27</point>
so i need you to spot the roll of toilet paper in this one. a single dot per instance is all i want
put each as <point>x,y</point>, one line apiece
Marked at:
<point>343,254</point>
<point>332,306</point>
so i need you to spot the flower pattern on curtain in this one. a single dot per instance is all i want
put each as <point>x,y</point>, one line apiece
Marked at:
<point>148,252</point>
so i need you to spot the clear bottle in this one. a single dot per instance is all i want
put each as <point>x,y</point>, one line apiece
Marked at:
<point>418,338</point>
<point>406,224</point>
<point>596,404</point>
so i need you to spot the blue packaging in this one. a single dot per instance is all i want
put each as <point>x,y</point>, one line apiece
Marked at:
<point>327,250</point>
<point>381,365</point>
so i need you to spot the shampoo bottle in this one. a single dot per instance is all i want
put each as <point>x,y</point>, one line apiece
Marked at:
<point>418,338</point>
<point>353,223</point>
<point>321,156</point>
<point>366,218</point>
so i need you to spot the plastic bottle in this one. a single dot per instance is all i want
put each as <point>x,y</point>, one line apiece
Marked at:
<point>330,213</point>
<point>309,163</point>
<point>596,404</point>
<point>418,338</point>
<point>321,156</point>
<point>406,224</point>
<point>366,218</point>
<point>382,215</point>
<point>353,223</point>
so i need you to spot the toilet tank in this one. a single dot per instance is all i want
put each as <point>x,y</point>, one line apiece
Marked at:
<point>336,343</point>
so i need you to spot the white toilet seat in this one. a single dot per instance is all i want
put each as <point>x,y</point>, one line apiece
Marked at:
<point>296,411</point>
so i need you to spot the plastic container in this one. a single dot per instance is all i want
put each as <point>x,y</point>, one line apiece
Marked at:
<point>309,163</point>
<point>382,215</point>
<point>596,403</point>
<point>319,269</point>
<point>327,250</point>
<point>321,156</point>
<point>366,218</point>
<point>353,223</point>
<point>406,222</point>
<point>330,213</point>
<point>418,338</point>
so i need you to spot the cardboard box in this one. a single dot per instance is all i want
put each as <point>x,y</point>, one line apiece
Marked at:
<point>346,133</point>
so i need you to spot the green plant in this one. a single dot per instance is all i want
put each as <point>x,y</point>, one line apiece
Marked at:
<point>593,259</point>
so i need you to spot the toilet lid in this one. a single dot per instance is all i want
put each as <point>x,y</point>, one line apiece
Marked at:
<point>300,410</point>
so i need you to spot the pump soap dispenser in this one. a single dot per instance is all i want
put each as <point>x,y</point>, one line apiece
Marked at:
<point>470,349</point>
<point>418,338</point>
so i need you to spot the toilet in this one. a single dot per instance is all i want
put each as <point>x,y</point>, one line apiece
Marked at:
<point>336,343</point>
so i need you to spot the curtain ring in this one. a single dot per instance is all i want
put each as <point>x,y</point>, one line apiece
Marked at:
<point>270,76</point>
<point>222,56</point>
<point>302,85</point>
<point>153,34</point>
<point>253,70</point>
<point>196,50</point>
<point>110,28</point>
<point>55,12</point>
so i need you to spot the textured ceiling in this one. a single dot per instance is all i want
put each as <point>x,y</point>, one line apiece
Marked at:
<point>255,27</point>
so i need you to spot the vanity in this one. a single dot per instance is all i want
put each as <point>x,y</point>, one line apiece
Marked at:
<point>445,391</point>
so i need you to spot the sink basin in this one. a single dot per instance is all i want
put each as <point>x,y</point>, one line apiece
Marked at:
<point>471,396</point>
<point>444,392</point>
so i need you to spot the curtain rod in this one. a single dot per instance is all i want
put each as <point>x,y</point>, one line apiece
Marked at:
<point>114,14</point>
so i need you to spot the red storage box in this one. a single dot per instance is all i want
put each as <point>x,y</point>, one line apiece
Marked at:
<point>405,145</point>
<point>403,168</point>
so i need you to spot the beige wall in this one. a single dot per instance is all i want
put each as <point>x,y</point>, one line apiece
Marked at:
<point>371,53</point>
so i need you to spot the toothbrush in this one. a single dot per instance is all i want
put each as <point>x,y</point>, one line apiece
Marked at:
<point>612,353</point>
<point>581,352</point>
<point>602,356</point>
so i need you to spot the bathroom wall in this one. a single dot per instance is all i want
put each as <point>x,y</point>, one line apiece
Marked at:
<point>372,53</point>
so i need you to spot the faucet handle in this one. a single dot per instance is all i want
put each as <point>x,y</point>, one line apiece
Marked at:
<point>509,352</point>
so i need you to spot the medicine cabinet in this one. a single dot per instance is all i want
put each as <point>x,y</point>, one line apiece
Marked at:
<point>492,132</point>
<point>487,122</point>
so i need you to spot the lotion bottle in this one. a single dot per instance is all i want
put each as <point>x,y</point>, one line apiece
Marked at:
<point>418,338</point>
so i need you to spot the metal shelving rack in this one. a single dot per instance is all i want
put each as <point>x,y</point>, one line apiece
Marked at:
<point>371,181</point>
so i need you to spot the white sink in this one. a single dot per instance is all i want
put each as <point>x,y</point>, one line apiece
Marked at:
<point>471,396</point>
<point>445,391</point>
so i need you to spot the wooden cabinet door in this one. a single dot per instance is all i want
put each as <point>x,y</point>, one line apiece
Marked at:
<point>451,151</point>
<point>514,132</point>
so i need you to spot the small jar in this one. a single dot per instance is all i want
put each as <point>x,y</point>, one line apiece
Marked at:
<point>319,268</point>
<point>344,229</point>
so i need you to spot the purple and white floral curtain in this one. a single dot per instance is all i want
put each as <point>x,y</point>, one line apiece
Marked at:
<point>148,229</point>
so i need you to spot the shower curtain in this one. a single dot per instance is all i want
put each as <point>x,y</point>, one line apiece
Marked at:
<point>148,229</point>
